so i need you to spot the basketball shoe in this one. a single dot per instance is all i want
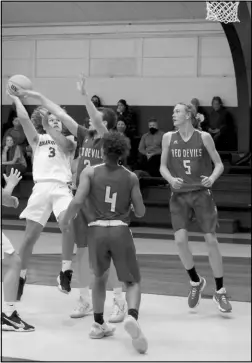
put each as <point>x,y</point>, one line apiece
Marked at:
<point>21,284</point>
<point>221,299</point>
<point>99,331</point>
<point>119,311</point>
<point>139,341</point>
<point>15,323</point>
<point>83,308</point>
<point>64,281</point>
<point>195,292</point>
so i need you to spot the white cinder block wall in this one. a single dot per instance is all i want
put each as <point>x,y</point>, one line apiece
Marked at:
<point>155,64</point>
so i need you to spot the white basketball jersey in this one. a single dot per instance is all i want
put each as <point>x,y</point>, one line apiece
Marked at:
<point>50,162</point>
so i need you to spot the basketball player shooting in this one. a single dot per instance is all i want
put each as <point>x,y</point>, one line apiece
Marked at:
<point>186,163</point>
<point>52,153</point>
<point>90,141</point>
<point>10,319</point>
<point>109,189</point>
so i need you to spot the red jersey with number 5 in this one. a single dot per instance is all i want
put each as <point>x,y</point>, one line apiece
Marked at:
<point>189,160</point>
<point>110,193</point>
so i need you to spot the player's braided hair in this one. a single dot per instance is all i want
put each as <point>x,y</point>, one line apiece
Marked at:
<point>36,119</point>
<point>115,145</point>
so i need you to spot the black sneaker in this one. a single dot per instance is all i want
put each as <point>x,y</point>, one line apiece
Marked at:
<point>15,323</point>
<point>20,288</point>
<point>64,281</point>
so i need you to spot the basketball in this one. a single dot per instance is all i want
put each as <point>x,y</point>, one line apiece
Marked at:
<point>19,81</point>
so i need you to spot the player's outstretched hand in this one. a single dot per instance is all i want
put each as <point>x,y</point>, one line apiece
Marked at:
<point>81,85</point>
<point>177,183</point>
<point>206,181</point>
<point>16,202</point>
<point>14,177</point>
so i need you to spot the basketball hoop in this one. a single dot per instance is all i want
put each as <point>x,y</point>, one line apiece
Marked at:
<point>223,11</point>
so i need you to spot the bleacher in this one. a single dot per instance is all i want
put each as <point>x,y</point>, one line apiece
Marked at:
<point>232,194</point>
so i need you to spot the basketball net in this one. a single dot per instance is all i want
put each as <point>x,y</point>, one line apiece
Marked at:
<point>222,11</point>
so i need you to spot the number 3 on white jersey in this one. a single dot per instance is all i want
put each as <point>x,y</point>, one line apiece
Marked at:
<point>187,166</point>
<point>111,200</point>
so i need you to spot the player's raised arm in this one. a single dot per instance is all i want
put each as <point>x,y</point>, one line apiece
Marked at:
<point>136,198</point>
<point>80,197</point>
<point>11,181</point>
<point>29,129</point>
<point>94,114</point>
<point>164,171</point>
<point>52,107</point>
<point>214,155</point>
<point>66,144</point>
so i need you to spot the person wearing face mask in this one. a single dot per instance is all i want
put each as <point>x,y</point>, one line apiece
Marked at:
<point>150,147</point>
<point>96,101</point>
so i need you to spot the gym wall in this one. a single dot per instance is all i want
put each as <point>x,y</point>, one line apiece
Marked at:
<point>152,66</point>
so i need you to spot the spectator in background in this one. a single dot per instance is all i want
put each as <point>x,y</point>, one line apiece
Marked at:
<point>124,114</point>
<point>221,126</point>
<point>200,117</point>
<point>12,157</point>
<point>121,127</point>
<point>96,101</point>
<point>150,148</point>
<point>17,134</point>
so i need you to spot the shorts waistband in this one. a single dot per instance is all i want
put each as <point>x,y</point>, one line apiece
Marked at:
<point>52,181</point>
<point>107,223</point>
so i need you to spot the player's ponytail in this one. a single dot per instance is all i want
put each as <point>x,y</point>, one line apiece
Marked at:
<point>191,109</point>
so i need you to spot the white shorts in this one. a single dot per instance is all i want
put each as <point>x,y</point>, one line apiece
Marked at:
<point>6,246</point>
<point>47,197</point>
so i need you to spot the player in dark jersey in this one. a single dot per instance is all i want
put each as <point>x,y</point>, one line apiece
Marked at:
<point>186,163</point>
<point>110,189</point>
<point>90,143</point>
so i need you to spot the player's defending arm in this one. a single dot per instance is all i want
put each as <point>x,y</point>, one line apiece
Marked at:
<point>52,107</point>
<point>136,198</point>
<point>11,181</point>
<point>164,171</point>
<point>28,127</point>
<point>80,197</point>
<point>66,144</point>
<point>94,114</point>
<point>218,166</point>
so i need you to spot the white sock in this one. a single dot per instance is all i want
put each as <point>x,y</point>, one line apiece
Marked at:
<point>84,293</point>
<point>9,307</point>
<point>118,295</point>
<point>23,273</point>
<point>66,265</point>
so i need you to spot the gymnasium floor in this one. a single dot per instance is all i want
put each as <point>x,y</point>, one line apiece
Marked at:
<point>174,332</point>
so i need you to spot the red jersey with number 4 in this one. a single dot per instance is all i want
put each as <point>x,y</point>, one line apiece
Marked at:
<point>110,193</point>
<point>189,160</point>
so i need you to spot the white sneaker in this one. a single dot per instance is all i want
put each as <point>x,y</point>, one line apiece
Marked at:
<point>119,311</point>
<point>83,308</point>
<point>99,331</point>
<point>139,341</point>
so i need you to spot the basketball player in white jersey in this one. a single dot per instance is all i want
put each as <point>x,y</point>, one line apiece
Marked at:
<point>10,319</point>
<point>98,122</point>
<point>52,153</point>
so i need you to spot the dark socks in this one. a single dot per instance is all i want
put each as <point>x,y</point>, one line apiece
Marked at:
<point>133,312</point>
<point>219,283</point>
<point>98,318</point>
<point>193,275</point>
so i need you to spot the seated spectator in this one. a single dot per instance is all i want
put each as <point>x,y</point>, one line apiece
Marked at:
<point>124,114</point>
<point>222,127</point>
<point>150,148</point>
<point>12,157</point>
<point>96,101</point>
<point>17,134</point>
<point>121,127</point>
<point>200,117</point>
